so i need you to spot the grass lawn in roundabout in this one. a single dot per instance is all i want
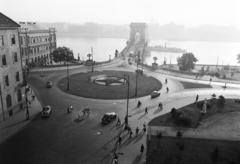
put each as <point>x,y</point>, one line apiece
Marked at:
<point>109,85</point>
<point>198,151</point>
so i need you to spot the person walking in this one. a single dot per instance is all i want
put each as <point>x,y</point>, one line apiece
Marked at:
<point>160,106</point>
<point>119,140</point>
<point>144,129</point>
<point>210,80</point>
<point>167,89</point>
<point>142,149</point>
<point>146,110</point>
<point>196,99</point>
<point>118,121</point>
<point>129,129</point>
<point>166,81</point>
<point>144,124</point>
<point>137,130</point>
<point>131,134</point>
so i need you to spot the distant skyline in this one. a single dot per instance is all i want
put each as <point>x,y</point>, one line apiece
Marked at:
<point>190,13</point>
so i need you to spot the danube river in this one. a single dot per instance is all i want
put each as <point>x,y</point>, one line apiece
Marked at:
<point>104,48</point>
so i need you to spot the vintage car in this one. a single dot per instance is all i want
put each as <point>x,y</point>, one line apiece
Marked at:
<point>49,84</point>
<point>46,111</point>
<point>108,117</point>
<point>155,94</point>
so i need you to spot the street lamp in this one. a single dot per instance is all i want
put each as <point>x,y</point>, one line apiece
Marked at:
<point>67,71</point>
<point>26,98</point>
<point>126,118</point>
<point>92,58</point>
<point>138,60</point>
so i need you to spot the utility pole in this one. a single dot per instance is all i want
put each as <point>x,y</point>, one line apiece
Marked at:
<point>92,58</point>
<point>137,75</point>
<point>126,118</point>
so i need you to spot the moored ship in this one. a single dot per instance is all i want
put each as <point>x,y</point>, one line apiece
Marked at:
<point>165,49</point>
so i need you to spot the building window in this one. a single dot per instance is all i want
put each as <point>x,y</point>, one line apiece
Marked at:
<point>19,95</point>
<point>4,60</point>
<point>17,76</point>
<point>1,41</point>
<point>13,39</point>
<point>9,101</point>
<point>6,80</point>
<point>15,59</point>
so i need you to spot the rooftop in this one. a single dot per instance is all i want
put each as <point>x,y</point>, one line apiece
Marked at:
<point>7,22</point>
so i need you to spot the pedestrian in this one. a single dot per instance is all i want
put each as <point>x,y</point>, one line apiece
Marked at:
<point>196,99</point>
<point>137,130</point>
<point>119,140</point>
<point>165,81</point>
<point>33,97</point>
<point>130,134</point>
<point>210,80</point>
<point>129,128</point>
<point>144,125</point>
<point>146,110</point>
<point>142,148</point>
<point>196,76</point>
<point>144,129</point>
<point>160,106</point>
<point>167,89</point>
<point>118,121</point>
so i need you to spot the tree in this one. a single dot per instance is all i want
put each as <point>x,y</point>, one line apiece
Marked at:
<point>238,57</point>
<point>187,61</point>
<point>155,59</point>
<point>62,54</point>
<point>89,55</point>
<point>221,101</point>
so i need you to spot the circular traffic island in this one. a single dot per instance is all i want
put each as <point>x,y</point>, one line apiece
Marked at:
<point>109,85</point>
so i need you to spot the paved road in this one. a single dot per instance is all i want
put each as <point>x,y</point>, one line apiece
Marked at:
<point>59,139</point>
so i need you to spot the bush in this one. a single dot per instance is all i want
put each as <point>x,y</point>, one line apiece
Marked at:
<point>184,120</point>
<point>174,114</point>
<point>217,74</point>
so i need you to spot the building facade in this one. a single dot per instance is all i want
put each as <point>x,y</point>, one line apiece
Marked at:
<point>36,44</point>
<point>11,76</point>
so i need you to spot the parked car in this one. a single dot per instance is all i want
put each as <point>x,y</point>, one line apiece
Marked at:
<point>108,117</point>
<point>155,94</point>
<point>49,84</point>
<point>46,111</point>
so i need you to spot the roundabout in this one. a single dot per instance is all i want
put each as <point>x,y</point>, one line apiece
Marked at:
<point>109,85</point>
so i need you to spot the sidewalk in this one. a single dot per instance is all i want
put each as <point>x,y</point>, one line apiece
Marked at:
<point>16,122</point>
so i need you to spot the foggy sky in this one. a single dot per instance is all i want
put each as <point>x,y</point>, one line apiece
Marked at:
<point>187,12</point>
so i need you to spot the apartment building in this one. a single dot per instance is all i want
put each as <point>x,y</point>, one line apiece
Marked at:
<point>36,44</point>
<point>11,76</point>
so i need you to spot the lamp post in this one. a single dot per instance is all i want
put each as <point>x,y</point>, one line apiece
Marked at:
<point>138,60</point>
<point>126,118</point>
<point>92,58</point>
<point>26,98</point>
<point>67,70</point>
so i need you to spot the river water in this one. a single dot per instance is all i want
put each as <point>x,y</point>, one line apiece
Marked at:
<point>206,52</point>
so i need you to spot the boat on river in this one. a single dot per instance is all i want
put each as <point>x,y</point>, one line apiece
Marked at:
<point>161,48</point>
